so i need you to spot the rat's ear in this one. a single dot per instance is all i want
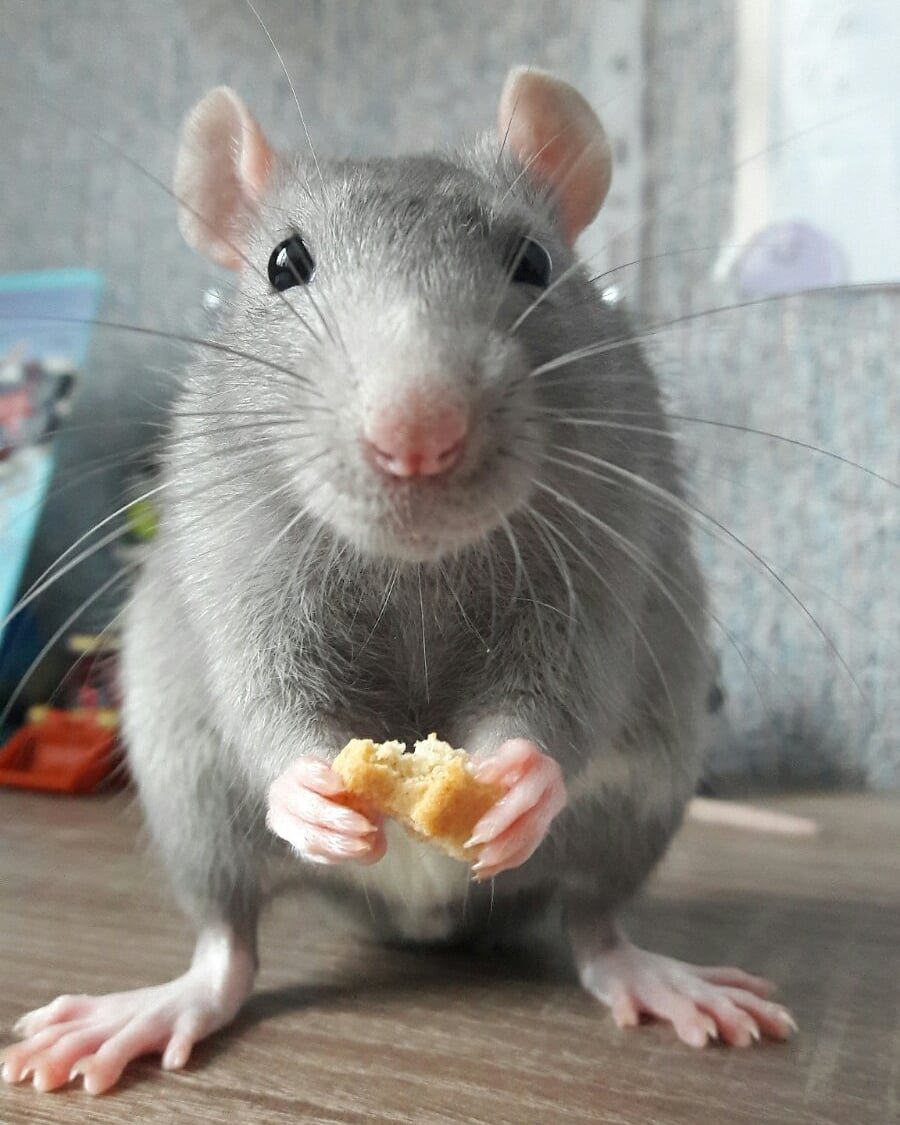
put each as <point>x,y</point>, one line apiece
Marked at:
<point>223,163</point>
<point>554,133</point>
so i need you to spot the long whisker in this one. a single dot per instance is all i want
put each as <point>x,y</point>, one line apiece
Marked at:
<point>337,341</point>
<point>424,647</point>
<point>670,500</point>
<point>492,578</point>
<point>52,575</point>
<point>160,334</point>
<point>654,212</point>
<point>506,134</point>
<point>676,323</point>
<point>290,83</point>
<point>291,523</point>
<point>531,160</point>
<point>658,576</point>
<point>565,572</point>
<point>569,417</point>
<point>60,632</point>
<point>617,598</point>
<point>117,150</point>
<point>469,624</point>
<point>514,264</point>
<point>104,633</point>
<point>659,256</point>
<point>520,561</point>
<point>389,589</point>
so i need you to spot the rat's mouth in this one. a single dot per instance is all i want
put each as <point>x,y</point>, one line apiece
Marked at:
<point>421,518</point>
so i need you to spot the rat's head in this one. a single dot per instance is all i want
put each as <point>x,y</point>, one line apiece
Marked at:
<point>385,301</point>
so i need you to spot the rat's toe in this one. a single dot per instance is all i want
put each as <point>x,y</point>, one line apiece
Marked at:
<point>51,1068</point>
<point>61,1010</point>
<point>773,1020</point>
<point>735,1026</point>
<point>632,981</point>
<point>735,978</point>
<point>104,1067</point>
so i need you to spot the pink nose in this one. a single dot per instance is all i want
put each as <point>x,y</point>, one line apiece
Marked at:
<point>413,438</point>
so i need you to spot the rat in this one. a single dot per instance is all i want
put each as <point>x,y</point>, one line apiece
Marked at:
<point>381,518</point>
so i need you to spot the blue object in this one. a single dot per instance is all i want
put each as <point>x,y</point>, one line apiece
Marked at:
<point>25,476</point>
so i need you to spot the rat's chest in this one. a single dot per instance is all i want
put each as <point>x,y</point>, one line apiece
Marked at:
<point>404,662</point>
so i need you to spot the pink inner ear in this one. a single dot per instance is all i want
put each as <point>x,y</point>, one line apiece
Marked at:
<point>555,134</point>
<point>222,168</point>
<point>256,159</point>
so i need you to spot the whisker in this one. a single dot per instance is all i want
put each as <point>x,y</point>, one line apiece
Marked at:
<point>293,91</point>
<point>517,558</point>
<point>656,212</point>
<point>668,499</point>
<point>291,523</point>
<point>389,589</point>
<point>570,418</point>
<point>117,150</point>
<point>565,573</point>
<point>424,648</point>
<point>531,160</point>
<point>520,559</point>
<point>61,632</point>
<point>104,633</point>
<point>465,616</point>
<point>678,251</point>
<point>648,566</point>
<point>492,578</point>
<point>51,575</point>
<point>676,323</point>
<point>506,135</point>
<point>159,333</point>
<point>614,594</point>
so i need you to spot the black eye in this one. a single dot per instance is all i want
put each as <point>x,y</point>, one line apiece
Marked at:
<point>530,264</point>
<point>291,263</point>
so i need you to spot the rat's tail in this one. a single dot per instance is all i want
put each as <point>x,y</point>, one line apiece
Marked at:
<point>733,814</point>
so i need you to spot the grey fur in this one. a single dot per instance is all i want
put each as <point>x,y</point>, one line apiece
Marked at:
<point>287,606</point>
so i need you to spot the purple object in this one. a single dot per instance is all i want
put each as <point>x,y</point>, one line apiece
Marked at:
<point>788,257</point>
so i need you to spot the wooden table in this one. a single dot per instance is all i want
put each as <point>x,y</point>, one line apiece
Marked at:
<point>344,1032</point>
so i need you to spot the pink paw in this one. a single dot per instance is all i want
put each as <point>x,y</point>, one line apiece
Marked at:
<point>512,830</point>
<point>305,810</point>
<point>702,1004</point>
<point>95,1037</point>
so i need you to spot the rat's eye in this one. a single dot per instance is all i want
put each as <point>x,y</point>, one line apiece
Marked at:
<point>530,264</point>
<point>291,263</point>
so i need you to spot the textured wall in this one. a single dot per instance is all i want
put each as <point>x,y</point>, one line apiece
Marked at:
<point>397,74</point>
<point>821,368</point>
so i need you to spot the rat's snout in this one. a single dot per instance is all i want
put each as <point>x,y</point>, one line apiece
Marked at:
<point>416,436</point>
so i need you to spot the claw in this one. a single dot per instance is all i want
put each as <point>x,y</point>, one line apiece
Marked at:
<point>632,981</point>
<point>512,830</point>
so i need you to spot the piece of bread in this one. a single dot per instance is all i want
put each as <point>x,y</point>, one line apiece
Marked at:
<point>432,791</point>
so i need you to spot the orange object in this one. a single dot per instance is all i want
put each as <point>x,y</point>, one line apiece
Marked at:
<point>63,752</point>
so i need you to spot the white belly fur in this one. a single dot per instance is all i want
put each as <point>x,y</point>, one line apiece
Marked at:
<point>426,890</point>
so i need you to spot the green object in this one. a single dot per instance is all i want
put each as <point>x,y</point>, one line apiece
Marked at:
<point>143,520</point>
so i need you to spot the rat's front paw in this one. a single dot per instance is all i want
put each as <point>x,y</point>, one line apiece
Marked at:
<point>512,830</point>
<point>305,809</point>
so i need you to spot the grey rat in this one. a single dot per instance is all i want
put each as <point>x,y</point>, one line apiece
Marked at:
<point>380,520</point>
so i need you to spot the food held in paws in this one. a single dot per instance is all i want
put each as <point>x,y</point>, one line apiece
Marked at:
<point>432,791</point>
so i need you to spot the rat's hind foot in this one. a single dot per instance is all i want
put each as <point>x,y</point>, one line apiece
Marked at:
<point>700,1003</point>
<point>97,1036</point>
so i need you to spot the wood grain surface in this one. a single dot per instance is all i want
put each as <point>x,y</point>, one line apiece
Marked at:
<point>341,1031</point>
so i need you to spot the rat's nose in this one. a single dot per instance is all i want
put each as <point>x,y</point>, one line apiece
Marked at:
<point>414,437</point>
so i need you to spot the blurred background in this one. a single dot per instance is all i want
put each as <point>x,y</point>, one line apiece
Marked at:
<point>757,155</point>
